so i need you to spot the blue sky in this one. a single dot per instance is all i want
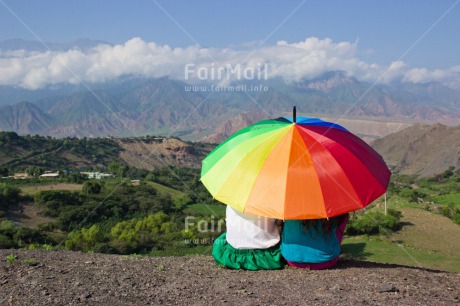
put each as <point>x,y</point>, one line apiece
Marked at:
<point>422,34</point>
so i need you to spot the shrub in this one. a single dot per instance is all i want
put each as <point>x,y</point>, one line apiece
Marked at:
<point>31,262</point>
<point>84,239</point>
<point>6,242</point>
<point>374,223</point>
<point>123,247</point>
<point>362,226</point>
<point>395,213</point>
<point>104,248</point>
<point>451,212</point>
<point>92,187</point>
<point>11,258</point>
<point>9,195</point>
<point>446,211</point>
<point>8,228</point>
<point>456,216</point>
<point>409,193</point>
<point>25,236</point>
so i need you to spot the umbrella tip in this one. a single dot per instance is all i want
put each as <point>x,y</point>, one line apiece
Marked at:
<point>294,115</point>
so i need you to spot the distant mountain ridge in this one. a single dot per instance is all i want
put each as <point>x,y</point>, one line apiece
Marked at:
<point>24,118</point>
<point>138,106</point>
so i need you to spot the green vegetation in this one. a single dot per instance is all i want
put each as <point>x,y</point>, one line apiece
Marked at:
<point>114,216</point>
<point>31,262</point>
<point>11,258</point>
<point>447,199</point>
<point>12,236</point>
<point>205,210</point>
<point>374,223</point>
<point>36,153</point>
<point>9,195</point>
<point>452,212</point>
<point>385,250</point>
<point>439,194</point>
<point>164,189</point>
<point>423,242</point>
<point>171,213</point>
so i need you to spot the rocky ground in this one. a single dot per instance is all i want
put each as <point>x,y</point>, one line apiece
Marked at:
<point>68,278</point>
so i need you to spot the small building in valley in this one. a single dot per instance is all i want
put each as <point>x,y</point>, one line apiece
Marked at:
<point>97,175</point>
<point>50,174</point>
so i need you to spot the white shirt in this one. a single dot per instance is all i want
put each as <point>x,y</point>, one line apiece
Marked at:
<point>246,231</point>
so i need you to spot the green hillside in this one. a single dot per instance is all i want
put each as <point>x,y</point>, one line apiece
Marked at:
<point>17,153</point>
<point>20,152</point>
<point>167,211</point>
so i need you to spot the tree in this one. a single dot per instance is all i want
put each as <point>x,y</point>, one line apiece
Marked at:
<point>84,239</point>
<point>75,177</point>
<point>9,195</point>
<point>117,169</point>
<point>143,233</point>
<point>34,171</point>
<point>92,187</point>
<point>4,171</point>
<point>9,136</point>
<point>25,236</point>
<point>181,202</point>
<point>449,172</point>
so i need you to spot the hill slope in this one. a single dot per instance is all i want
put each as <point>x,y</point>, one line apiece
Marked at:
<point>368,129</point>
<point>58,154</point>
<point>162,152</point>
<point>421,149</point>
<point>71,277</point>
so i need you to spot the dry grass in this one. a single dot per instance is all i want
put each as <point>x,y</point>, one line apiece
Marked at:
<point>31,190</point>
<point>426,240</point>
<point>28,216</point>
<point>430,232</point>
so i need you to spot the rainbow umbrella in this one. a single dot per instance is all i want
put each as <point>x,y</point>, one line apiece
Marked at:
<point>295,168</point>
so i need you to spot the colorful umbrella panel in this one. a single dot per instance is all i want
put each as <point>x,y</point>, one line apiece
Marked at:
<point>309,169</point>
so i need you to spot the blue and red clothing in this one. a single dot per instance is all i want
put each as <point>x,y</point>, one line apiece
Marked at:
<point>312,249</point>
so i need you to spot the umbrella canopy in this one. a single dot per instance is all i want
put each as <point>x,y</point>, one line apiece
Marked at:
<point>295,169</point>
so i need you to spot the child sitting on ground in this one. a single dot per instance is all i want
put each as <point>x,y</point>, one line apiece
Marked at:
<point>313,244</point>
<point>250,243</point>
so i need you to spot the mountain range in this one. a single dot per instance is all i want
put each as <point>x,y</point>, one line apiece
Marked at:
<point>134,106</point>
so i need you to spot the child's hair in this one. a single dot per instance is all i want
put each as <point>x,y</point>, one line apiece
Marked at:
<point>327,225</point>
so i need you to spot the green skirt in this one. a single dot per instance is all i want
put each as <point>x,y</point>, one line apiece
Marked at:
<point>257,259</point>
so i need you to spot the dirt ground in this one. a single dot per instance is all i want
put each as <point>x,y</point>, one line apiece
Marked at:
<point>27,215</point>
<point>58,186</point>
<point>439,233</point>
<point>69,278</point>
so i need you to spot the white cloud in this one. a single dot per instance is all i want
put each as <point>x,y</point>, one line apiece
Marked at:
<point>423,75</point>
<point>292,61</point>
